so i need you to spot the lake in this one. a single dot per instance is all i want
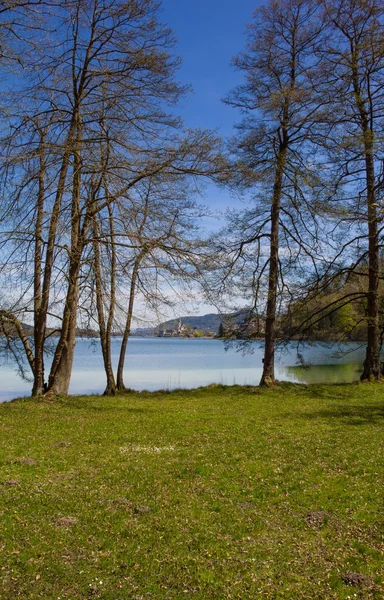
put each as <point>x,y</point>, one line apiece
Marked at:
<point>168,363</point>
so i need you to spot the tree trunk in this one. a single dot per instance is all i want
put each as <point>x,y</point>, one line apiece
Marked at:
<point>60,379</point>
<point>120,369</point>
<point>41,320</point>
<point>372,366</point>
<point>104,329</point>
<point>39,317</point>
<point>268,376</point>
<point>111,385</point>
<point>61,368</point>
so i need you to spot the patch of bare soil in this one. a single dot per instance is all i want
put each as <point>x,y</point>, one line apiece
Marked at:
<point>357,579</point>
<point>66,521</point>
<point>316,518</point>
<point>142,509</point>
<point>26,461</point>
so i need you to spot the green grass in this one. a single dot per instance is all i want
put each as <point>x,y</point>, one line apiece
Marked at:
<point>221,492</point>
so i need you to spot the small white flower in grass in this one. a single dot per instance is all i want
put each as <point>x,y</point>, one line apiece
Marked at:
<point>146,449</point>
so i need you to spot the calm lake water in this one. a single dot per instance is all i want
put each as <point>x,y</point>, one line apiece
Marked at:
<point>158,363</point>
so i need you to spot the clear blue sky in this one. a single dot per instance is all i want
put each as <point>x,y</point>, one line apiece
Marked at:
<point>210,33</point>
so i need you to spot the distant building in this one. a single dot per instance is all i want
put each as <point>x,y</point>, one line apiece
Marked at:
<point>166,333</point>
<point>180,331</point>
<point>181,328</point>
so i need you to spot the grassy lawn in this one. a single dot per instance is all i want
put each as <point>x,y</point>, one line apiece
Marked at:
<point>221,492</point>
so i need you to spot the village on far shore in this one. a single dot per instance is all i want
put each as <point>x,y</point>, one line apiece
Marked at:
<point>178,328</point>
<point>211,325</point>
<point>185,331</point>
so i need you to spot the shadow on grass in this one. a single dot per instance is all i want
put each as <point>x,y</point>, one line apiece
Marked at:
<point>332,391</point>
<point>349,414</point>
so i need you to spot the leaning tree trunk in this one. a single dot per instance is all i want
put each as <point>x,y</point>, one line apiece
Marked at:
<point>39,316</point>
<point>120,369</point>
<point>61,368</point>
<point>104,328</point>
<point>372,368</point>
<point>42,291</point>
<point>268,376</point>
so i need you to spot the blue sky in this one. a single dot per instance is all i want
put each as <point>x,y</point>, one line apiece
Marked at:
<point>210,33</point>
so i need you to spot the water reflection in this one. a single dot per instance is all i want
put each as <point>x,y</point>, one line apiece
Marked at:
<point>158,363</point>
<point>336,373</point>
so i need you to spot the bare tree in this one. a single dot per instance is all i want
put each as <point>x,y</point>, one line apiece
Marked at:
<point>272,241</point>
<point>353,83</point>
<point>16,18</point>
<point>102,68</point>
<point>166,247</point>
<point>146,242</point>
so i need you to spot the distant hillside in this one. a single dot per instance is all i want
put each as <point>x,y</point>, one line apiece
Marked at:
<point>205,323</point>
<point>142,332</point>
<point>28,330</point>
<point>9,329</point>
